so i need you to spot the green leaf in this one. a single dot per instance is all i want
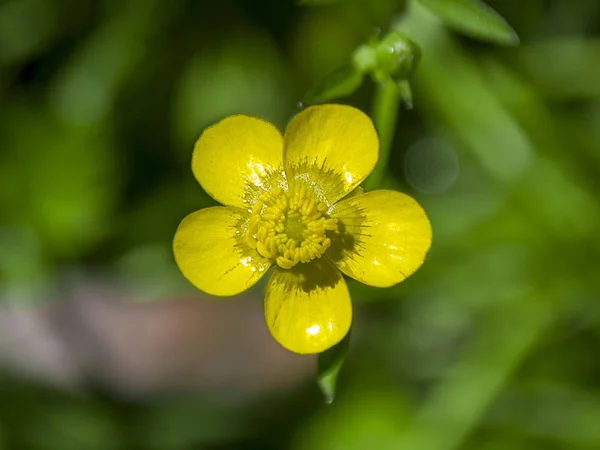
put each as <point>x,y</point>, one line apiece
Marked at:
<point>329,364</point>
<point>340,83</point>
<point>473,18</point>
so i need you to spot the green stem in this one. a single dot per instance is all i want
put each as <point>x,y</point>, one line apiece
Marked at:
<point>386,104</point>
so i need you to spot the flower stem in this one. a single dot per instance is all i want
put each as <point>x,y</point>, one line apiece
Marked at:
<point>386,104</point>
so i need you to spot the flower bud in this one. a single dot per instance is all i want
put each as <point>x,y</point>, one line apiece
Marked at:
<point>397,56</point>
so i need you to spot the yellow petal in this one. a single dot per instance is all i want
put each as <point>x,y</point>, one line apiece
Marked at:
<point>307,307</point>
<point>332,147</point>
<point>237,158</point>
<point>211,253</point>
<point>383,237</point>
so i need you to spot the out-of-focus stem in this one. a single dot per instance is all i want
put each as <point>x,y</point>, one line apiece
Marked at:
<point>385,115</point>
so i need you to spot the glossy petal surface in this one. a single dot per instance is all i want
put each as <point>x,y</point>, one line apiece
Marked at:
<point>307,308</point>
<point>332,148</point>
<point>211,253</point>
<point>238,158</point>
<point>383,237</point>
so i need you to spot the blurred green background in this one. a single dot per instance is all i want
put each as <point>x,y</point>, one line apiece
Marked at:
<point>494,344</point>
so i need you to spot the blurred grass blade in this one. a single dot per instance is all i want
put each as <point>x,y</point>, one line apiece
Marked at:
<point>474,18</point>
<point>563,67</point>
<point>329,364</point>
<point>455,86</point>
<point>339,83</point>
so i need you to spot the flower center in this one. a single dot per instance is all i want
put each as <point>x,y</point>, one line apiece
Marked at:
<point>290,227</point>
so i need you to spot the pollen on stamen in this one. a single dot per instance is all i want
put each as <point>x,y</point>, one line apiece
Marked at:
<point>290,227</point>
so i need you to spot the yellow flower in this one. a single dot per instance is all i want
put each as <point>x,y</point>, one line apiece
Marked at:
<point>288,206</point>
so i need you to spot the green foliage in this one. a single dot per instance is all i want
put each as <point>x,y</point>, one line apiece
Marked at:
<point>338,84</point>
<point>473,18</point>
<point>393,57</point>
<point>329,364</point>
<point>70,213</point>
<point>239,75</point>
<point>368,414</point>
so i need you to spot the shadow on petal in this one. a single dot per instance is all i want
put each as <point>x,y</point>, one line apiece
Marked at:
<point>342,242</point>
<point>315,275</point>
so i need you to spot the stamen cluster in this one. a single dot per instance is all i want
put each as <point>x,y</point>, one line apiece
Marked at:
<point>290,226</point>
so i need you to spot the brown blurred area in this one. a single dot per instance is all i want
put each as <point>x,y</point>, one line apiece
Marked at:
<point>182,343</point>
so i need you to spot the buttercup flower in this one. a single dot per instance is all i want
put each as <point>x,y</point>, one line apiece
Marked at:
<point>291,205</point>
